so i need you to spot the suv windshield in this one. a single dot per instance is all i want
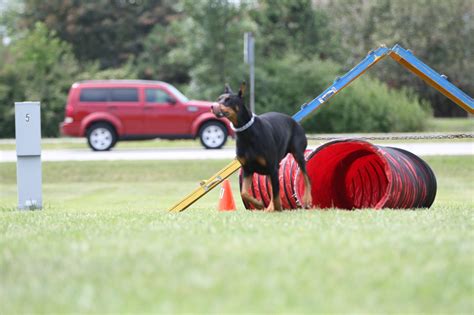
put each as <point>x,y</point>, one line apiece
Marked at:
<point>177,93</point>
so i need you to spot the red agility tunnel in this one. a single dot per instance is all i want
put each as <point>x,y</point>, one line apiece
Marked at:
<point>354,174</point>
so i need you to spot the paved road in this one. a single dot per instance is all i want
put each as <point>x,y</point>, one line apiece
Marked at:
<point>422,149</point>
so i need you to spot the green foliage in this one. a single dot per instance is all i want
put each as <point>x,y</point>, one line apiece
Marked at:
<point>41,70</point>
<point>106,31</point>
<point>7,110</point>
<point>368,105</point>
<point>201,51</point>
<point>93,71</point>
<point>166,55</point>
<point>292,26</point>
<point>284,84</point>
<point>216,45</point>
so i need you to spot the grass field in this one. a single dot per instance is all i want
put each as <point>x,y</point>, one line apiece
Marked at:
<point>451,125</point>
<point>105,243</point>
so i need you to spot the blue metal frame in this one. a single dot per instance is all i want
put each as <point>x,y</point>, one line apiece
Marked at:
<point>404,57</point>
<point>372,58</point>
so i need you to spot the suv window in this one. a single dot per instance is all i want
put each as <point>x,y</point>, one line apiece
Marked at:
<point>157,96</point>
<point>124,95</point>
<point>177,93</point>
<point>94,95</point>
<point>109,95</point>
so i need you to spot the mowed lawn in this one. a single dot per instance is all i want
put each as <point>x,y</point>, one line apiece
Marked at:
<point>106,243</point>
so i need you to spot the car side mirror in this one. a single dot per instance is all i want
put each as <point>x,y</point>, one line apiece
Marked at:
<point>171,100</point>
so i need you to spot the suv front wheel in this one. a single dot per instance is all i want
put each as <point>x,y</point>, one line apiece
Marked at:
<point>213,135</point>
<point>101,137</point>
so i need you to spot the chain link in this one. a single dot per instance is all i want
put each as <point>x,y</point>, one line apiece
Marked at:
<point>396,137</point>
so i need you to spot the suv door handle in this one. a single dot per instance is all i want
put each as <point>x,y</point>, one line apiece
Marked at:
<point>112,107</point>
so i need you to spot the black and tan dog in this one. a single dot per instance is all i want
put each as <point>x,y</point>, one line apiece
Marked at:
<point>262,142</point>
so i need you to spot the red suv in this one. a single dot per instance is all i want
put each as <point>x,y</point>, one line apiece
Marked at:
<point>110,110</point>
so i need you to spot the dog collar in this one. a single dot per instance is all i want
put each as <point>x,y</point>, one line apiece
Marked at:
<point>246,126</point>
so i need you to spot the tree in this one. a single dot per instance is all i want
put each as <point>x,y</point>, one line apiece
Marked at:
<point>166,53</point>
<point>292,25</point>
<point>219,29</point>
<point>104,30</point>
<point>203,49</point>
<point>41,67</point>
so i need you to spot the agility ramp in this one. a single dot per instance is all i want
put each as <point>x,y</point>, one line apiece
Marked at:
<point>399,54</point>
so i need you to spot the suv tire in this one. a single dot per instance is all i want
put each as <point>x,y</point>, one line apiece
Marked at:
<point>101,137</point>
<point>213,135</point>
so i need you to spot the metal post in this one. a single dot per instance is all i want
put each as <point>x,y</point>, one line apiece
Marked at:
<point>249,58</point>
<point>28,151</point>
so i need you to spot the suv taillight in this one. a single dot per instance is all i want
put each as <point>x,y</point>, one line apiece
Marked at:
<point>69,111</point>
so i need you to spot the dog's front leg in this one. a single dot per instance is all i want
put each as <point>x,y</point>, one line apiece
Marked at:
<point>246,186</point>
<point>275,201</point>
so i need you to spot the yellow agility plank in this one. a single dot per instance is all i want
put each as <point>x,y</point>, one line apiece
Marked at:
<point>206,186</point>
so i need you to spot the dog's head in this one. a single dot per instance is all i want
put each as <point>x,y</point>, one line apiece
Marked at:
<point>229,104</point>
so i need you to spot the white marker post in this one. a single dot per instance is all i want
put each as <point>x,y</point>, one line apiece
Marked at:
<point>28,151</point>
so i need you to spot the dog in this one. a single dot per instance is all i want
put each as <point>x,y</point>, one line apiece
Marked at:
<point>261,143</point>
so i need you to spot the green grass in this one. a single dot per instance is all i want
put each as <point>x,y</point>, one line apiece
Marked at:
<point>105,243</point>
<point>451,125</point>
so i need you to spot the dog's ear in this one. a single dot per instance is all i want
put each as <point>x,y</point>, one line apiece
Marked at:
<point>242,89</point>
<point>227,89</point>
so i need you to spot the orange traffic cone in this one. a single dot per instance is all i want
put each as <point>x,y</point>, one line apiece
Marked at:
<point>226,198</point>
